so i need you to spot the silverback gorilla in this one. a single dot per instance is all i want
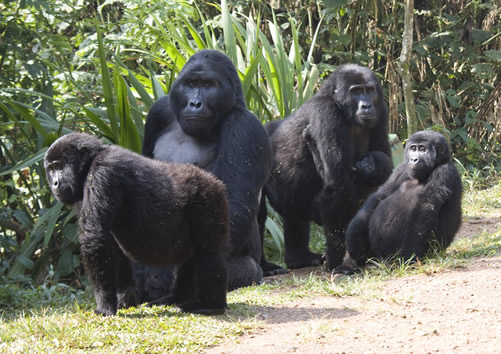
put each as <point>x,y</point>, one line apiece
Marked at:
<point>204,121</point>
<point>420,202</point>
<point>152,212</point>
<point>327,157</point>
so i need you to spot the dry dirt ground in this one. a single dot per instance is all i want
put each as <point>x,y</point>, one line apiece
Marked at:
<point>456,311</point>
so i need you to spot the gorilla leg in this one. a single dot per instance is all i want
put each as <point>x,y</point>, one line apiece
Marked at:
<point>183,289</point>
<point>243,265</point>
<point>243,271</point>
<point>99,253</point>
<point>126,290</point>
<point>334,234</point>
<point>205,276</point>
<point>297,237</point>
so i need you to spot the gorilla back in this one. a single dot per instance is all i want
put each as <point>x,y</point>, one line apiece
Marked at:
<point>149,211</point>
<point>204,121</point>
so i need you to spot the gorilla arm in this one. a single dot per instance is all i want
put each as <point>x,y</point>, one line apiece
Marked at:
<point>97,245</point>
<point>159,117</point>
<point>243,164</point>
<point>376,165</point>
<point>328,139</point>
<point>440,187</point>
<point>357,233</point>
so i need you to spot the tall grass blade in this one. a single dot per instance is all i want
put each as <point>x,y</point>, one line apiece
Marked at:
<point>107,88</point>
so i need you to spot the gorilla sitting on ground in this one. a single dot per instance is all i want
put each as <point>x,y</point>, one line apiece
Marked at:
<point>327,157</point>
<point>420,202</point>
<point>152,212</point>
<point>204,121</point>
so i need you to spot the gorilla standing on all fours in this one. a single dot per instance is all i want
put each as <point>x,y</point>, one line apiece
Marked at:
<point>204,121</point>
<point>420,202</point>
<point>149,211</point>
<point>327,157</point>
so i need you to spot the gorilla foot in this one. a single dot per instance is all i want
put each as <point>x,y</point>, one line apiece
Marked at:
<point>127,298</point>
<point>343,270</point>
<point>198,308</point>
<point>309,259</point>
<point>104,311</point>
<point>348,267</point>
<point>270,269</point>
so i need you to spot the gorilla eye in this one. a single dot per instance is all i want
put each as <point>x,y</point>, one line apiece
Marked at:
<point>422,148</point>
<point>55,166</point>
<point>355,90</point>
<point>207,84</point>
<point>190,83</point>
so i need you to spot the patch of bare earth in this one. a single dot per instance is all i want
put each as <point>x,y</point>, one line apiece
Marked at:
<point>455,311</point>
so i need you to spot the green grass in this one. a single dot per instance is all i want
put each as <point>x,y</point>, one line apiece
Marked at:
<point>59,318</point>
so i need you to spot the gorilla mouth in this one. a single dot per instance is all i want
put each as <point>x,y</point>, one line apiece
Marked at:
<point>194,118</point>
<point>366,117</point>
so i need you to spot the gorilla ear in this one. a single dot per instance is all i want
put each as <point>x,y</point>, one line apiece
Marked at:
<point>442,148</point>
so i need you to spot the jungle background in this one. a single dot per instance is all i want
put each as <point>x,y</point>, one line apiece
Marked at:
<point>98,66</point>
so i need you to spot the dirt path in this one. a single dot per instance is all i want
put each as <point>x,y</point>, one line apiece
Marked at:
<point>457,311</point>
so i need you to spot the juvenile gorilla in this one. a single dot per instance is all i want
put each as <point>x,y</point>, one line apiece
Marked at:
<point>149,211</point>
<point>327,157</point>
<point>420,202</point>
<point>204,121</point>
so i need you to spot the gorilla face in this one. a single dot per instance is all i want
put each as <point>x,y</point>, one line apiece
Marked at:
<point>420,158</point>
<point>60,178</point>
<point>363,100</point>
<point>202,96</point>
<point>358,93</point>
<point>424,151</point>
<point>67,163</point>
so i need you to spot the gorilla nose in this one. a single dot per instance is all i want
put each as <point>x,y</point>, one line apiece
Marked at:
<point>195,104</point>
<point>55,183</point>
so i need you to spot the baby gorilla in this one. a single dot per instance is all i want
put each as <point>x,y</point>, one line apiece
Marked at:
<point>155,213</point>
<point>420,202</point>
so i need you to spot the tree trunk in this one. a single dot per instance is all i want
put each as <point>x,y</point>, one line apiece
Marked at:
<point>405,68</point>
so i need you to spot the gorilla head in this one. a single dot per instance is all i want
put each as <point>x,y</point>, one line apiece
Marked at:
<point>358,95</point>
<point>67,165</point>
<point>424,151</point>
<point>204,92</point>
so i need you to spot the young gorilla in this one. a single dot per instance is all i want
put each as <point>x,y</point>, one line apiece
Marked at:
<point>327,157</point>
<point>421,201</point>
<point>149,211</point>
<point>204,121</point>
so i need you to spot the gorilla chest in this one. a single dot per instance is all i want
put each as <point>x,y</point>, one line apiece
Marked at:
<point>359,141</point>
<point>175,146</point>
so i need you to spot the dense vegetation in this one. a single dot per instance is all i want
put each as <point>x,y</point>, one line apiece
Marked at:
<point>70,65</point>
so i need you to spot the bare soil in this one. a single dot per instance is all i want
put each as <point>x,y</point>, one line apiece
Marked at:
<point>456,311</point>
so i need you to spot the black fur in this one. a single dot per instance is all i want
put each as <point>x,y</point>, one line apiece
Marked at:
<point>420,202</point>
<point>327,157</point>
<point>204,121</point>
<point>132,207</point>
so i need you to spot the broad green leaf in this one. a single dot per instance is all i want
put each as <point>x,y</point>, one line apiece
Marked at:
<point>54,213</point>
